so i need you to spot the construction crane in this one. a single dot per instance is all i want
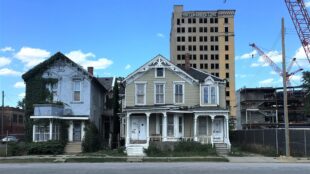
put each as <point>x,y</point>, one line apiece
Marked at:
<point>301,20</point>
<point>275,67</point>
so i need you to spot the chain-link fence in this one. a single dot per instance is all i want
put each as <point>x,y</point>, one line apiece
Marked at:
<point>274,138</point>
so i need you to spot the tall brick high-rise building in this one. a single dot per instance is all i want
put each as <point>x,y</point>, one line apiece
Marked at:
<point>208,38</point>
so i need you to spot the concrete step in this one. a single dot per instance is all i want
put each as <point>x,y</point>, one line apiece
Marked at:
<point>221,149</point>
<point>73,147</point>
<point>135,151</point>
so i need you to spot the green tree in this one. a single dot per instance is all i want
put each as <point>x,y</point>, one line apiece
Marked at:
<point>21,103</point>
<point>306,87</point>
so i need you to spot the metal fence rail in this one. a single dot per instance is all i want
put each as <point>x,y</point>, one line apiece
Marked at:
<point>274,138</point>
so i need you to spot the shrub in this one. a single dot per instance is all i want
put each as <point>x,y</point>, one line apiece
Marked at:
<point>46,148</point>
<point>16,149</point>
<point>182,149</point>
<point>92,141</point>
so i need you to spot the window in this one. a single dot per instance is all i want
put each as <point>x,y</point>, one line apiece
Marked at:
<point>226,47</point>
<point>42,133</point>
<point>205,20</point>
<point>227,93</point>
<point>206,66</point>
<point>227,84</point>
<point>189,29</point>
<point>179,57</point>
<point>227,66</point>
<point>226,56</point>
<point>209,94</point>
<point>226,20</point>
<point>200,38</point>
<point>194,29</point>
<point>226,38</point>
<point>205,29</point>
<point>183,39</point>
<point>226,29</point>
<point>194,66</point>
<point>200,20</point>
<point>77,90</point>
<point>216,20</point>
<point>194,20</point>
<point>178,21</point>
<point>14,118</point>
<point>206,56</point>
<point>159,93</point>
<point>178,93</point>
<point>182,21</point>
<point>189,20</point>
<point>194,38</point>
<point>170,125</point>
<point>227,75</point>
<point>178,30</point>
<point>200,29</point>
<point>202,126</point>
<point>183,30</point>
<point>189,38</point>
<point>201,56</point>
<point>201,66</point>
<point>53,87</point>
<point>216,66</point>
<point>160,72</point>
<point>140,93</point>
<point>20,119</point>
<point>178,39</point>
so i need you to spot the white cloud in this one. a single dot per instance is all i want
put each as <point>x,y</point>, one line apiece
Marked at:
<point>128,66</point>
<point>247,55</point>
<point>9,72</point>
<point>6,49</point>
<point>161,35</point>
<point>21,95</point>
<point>19,85</point>
<point>4,61</point>
<point>79,57</point>
<point>307,4</point>
<point>273,73</point>
<point>254,65</point>
<point>241,75</point>
<point>84,59</point>
<point>297,78</point>
<point>32,56</point>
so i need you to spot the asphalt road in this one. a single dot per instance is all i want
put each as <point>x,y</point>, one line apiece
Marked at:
<point>152,168</point>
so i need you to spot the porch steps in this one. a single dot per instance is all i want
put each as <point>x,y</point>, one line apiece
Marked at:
<point>135,151</point>
<point>73,147</point>
<point>221,149</point>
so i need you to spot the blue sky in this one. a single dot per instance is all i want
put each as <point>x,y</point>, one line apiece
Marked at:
<point>119,36</point>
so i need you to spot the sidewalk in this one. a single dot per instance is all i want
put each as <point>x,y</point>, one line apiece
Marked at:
<point>263,159</point>
<point>79,158</point>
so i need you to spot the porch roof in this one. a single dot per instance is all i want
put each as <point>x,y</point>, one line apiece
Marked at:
<point>61,117</point>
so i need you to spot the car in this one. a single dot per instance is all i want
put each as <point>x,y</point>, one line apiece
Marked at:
<point>9,139</point>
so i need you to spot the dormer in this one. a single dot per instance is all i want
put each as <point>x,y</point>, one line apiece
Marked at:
<point>209,92</point>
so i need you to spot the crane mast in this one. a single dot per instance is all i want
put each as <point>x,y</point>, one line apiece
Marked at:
<point>301,20</point>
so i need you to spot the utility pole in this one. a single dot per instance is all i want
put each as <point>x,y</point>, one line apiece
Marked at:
<point>287,133</point>
<point>2,115</point>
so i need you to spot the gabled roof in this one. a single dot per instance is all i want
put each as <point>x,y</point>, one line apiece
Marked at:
<point>199,75</point>
<point>192,74</point>
<point>160,61</point>
<point>107,82</point>
<point>41,67</point>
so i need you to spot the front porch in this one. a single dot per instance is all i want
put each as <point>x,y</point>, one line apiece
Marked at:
<point>207,127</point>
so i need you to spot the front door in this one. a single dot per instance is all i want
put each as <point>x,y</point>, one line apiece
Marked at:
<point>138,128</point>
<point>218,130</point>
<point>76,131</point>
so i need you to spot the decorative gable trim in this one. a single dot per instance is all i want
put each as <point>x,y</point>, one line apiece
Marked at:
<point>159,62</point>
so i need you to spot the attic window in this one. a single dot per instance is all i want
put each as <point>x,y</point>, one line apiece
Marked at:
<point>160,72</point>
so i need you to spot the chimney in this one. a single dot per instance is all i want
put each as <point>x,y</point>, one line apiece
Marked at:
<point>90,70</point>
<point>187,62</point>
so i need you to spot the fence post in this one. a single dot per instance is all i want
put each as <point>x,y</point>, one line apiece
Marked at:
<point>305,142</point>
<point>277,143</point>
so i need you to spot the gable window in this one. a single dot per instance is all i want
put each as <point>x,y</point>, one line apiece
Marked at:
<point>160,72</point>
<point>53,88</point>
<point>209,95</point>
<point>140,93</point>
<point>77,90</point>
<point>159,93</point>
<point>179,93</point>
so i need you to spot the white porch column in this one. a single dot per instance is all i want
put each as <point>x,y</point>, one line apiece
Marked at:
<point>164,129</point>
<point>147,127</point>
<point>227,127</point>
<point>51,130</point>
<point>70,131</point>
<point>127,129</point>
<point>33,132</point>
<point>82,130</point>
<point>212,119</point>
<point>195,127</point>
